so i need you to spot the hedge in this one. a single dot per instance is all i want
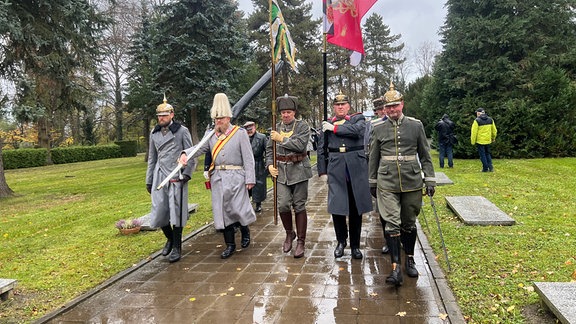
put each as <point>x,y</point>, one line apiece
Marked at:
<point>27,158</point>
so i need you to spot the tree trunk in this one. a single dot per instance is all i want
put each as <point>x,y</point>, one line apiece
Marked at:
<point>146,130</point>
<point>5,191</point>
<point>119,109</point>
<point>193,127</point>
<point>44,137</point>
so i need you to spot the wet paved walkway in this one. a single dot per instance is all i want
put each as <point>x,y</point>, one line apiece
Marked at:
<point>260,284</point>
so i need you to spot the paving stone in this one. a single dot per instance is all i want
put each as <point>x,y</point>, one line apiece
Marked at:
<point>6,286</point>
<point>477,210</point>
<point>560,298</point>
<point>192,208</point>
<point>261,284</point>
<point>442,179</point>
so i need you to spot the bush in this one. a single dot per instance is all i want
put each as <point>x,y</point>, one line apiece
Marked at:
<point>72,154</point>
<point>128,148</point>
<point>24,158</point>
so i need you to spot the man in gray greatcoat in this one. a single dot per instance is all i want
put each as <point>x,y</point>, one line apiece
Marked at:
<point>170,203</point>
<point>342,162</point>
<point>258,142</point>
<point>292,171</point>
<point>399,154</point>
<point>231,175</point>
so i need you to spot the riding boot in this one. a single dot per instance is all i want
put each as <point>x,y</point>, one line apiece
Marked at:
<point>395,276</point>
<point>245,242</point>
<point>177,245</point>
<point>301,227</point>
<point>409,244</point>
<point>167,230</point>
<point>385,246</point>
<point>286,218</point>
<point>355,232</point>
<point>229,240</point>
<point>341,231</point>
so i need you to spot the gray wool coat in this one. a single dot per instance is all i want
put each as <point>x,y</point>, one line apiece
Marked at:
<point>230,199</point>
<point>170,203</point>
<point>340,166</point>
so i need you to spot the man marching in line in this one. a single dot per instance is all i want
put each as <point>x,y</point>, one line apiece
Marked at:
<point>379,119</point>
<point>292,172</point>
<point>258,142</point>
<point>170,203</point>
<point>399,153</point>
<point>231,175</point>
<point>342,163</point>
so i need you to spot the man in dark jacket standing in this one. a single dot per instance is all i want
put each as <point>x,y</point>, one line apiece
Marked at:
<point>258,142</point>
<point>446,139</point>
<point>342,162</point>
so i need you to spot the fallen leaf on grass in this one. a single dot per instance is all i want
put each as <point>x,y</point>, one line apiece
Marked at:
<point>192,299</point>
<point>231,289</point>
<point>401,314</point>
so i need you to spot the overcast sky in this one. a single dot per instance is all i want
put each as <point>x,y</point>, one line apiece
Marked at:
<point>418,21</point>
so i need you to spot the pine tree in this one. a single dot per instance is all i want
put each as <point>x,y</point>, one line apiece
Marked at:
<point>381,53</point>
<point>515,59</point>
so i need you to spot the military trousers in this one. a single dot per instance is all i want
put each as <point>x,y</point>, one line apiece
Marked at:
<point>399,210</point>
<point>292,196</point>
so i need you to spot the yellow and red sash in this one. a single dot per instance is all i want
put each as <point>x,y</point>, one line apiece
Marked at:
<point>220,144</point>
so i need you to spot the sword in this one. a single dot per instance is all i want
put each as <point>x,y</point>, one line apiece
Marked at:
<point>440,231</point>
<point>237,109</point>
<point>180,165</point>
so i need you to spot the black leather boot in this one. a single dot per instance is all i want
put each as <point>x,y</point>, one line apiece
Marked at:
<point>230,244</point>
<point>409,245</point>
<point>177,245</point>
<point>245,242</point>
<point>286,218</point>
<point>385,249</point>
<point>355,231</point>
<point>341,231</point>
<point>167,230</point>
<point>395,276</point>
<point>301,228</point>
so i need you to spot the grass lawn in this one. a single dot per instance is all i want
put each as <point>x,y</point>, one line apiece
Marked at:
<point>58,237</point>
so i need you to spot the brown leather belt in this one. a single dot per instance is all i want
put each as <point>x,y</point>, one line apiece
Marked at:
<point>174,180</point>
<point>291,158</point>
<point>344,149</point>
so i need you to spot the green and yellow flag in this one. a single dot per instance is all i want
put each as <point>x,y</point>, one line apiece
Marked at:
<point>280,36</point>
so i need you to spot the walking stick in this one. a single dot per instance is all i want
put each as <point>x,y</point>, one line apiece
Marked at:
<point>423,215</point>
<point>440,231</point>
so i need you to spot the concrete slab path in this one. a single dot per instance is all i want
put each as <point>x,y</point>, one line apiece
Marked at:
<point>261,284</point>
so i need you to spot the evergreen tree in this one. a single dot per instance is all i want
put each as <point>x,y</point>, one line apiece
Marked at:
<point>200,52</point>
<point>381,54</point>
<point>307,83</point>
<point>516,60</point>
<point>51,46</point>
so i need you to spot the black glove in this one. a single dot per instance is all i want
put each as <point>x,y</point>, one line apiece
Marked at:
<point>430,190</point>
<point>373,191</point>
<point>185,178</point>
<point>149,188</point>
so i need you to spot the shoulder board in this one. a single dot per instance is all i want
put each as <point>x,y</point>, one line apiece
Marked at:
<point>412,118</point>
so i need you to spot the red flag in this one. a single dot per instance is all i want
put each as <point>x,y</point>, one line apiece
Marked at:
<point>342,24</point>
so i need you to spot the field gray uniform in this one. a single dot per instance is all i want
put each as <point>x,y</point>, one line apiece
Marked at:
<point>230,200</point>
<point>169,204</point>
<point>293,165</point>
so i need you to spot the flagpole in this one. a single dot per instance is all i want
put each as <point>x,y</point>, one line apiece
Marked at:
<point>273,82</point>
<point>325,75</point>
